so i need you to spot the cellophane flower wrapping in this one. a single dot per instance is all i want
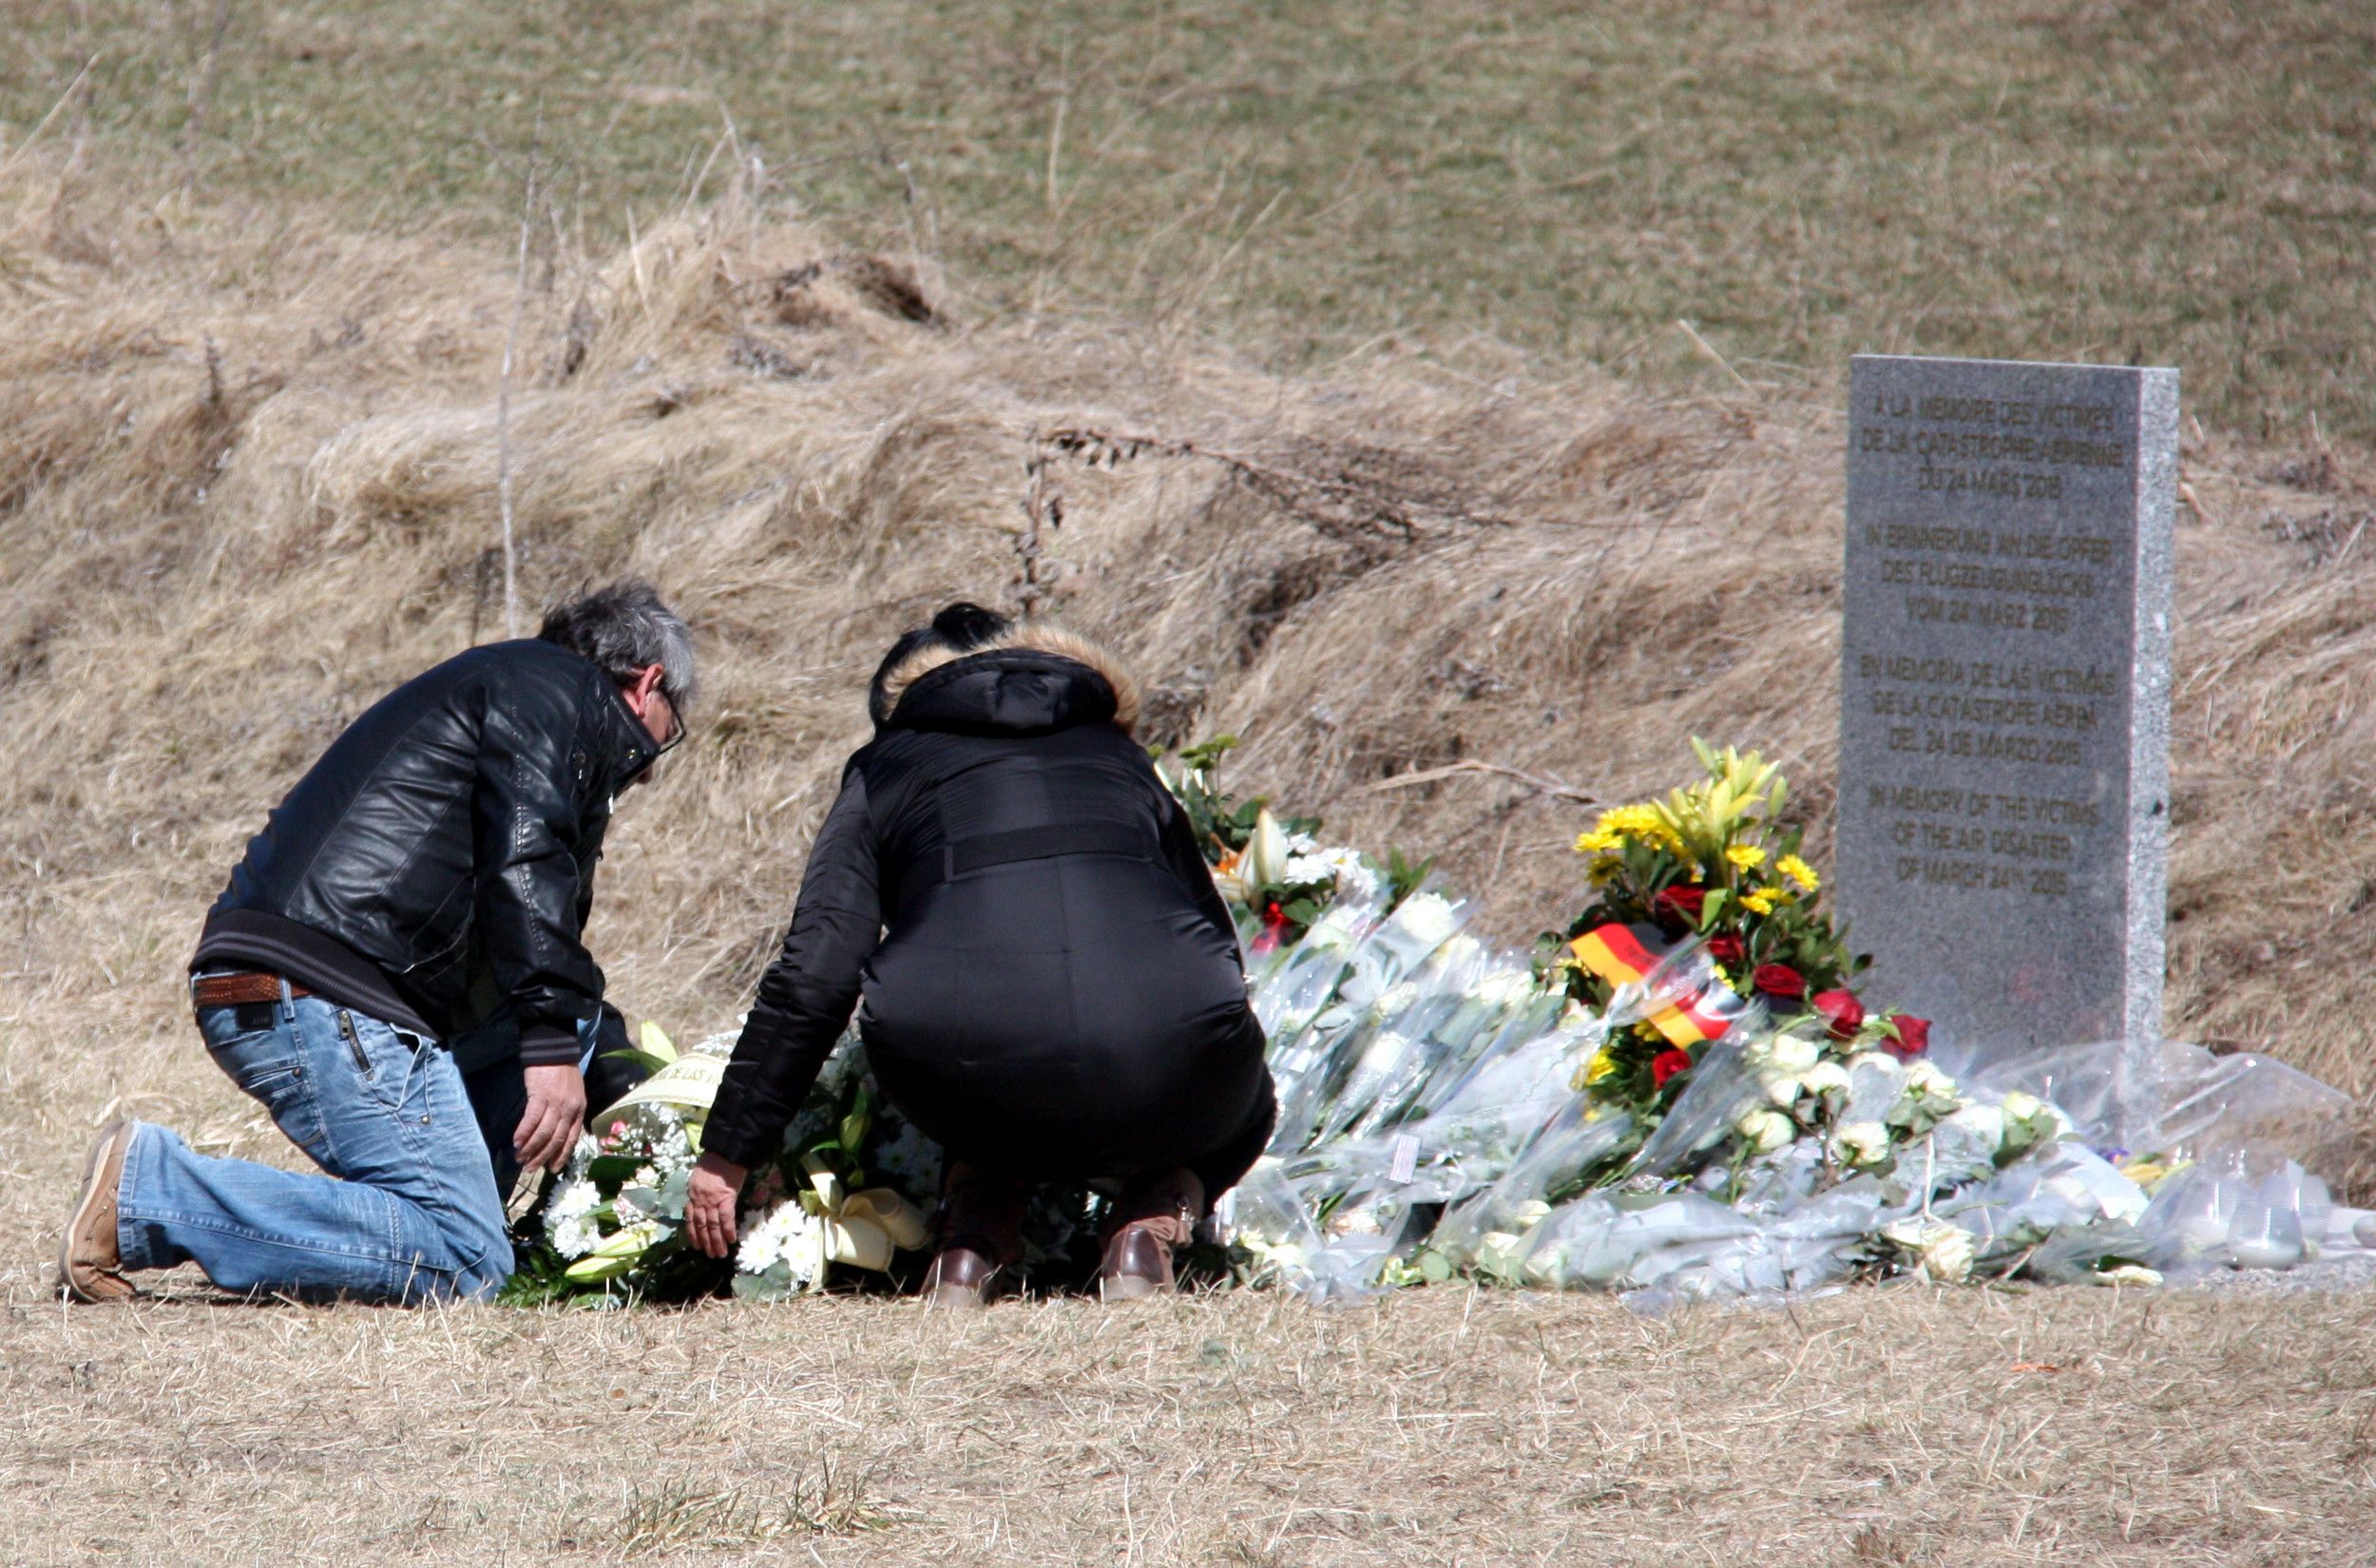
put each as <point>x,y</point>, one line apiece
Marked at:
<point>1680,1095</point>
<point>1451,1109</point>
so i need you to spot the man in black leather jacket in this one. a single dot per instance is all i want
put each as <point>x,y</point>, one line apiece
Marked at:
<point>430,876</point>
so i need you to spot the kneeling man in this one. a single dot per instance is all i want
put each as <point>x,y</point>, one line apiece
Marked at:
<point>431,873</point>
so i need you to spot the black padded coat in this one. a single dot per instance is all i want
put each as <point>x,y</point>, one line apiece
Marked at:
<point>1047,982</point>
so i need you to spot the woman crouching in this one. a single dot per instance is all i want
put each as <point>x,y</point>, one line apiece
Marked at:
<point>1047,982</point>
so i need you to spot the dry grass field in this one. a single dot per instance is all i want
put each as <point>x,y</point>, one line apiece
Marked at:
<point>250,441</point>
<point>1901,1427</point>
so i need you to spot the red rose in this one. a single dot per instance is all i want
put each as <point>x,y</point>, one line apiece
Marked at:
<point>1667,1063</point>
<point>1913,1037</point>
<point>1779,980</point>
<point>1680,905</point>
<point>1847,1014</point>
<point>1727,949</point>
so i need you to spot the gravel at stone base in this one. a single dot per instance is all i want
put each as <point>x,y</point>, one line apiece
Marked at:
<point>2352,1271</point>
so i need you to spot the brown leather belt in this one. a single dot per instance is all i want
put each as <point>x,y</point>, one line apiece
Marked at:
<point>233,991</point>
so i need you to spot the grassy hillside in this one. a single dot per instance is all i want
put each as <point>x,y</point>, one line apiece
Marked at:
<point>2188,185</point>
<point>248,474</point>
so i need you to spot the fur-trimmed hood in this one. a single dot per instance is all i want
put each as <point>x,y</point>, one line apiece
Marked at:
<point>931,677</point>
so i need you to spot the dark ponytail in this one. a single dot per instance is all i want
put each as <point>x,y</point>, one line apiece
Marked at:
<point>960,629</point>
<point>966,626</point>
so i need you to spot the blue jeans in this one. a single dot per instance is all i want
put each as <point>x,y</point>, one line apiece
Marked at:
<point>410,1210</point>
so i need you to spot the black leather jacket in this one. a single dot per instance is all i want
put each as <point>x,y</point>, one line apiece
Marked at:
<point>449,838</point>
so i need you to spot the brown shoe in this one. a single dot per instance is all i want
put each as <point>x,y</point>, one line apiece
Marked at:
<point>1153,1216</point>
<point>961,1278</point>
<point>981,1227</point>
<point>89,1266</point>
<point>1138,1264</point>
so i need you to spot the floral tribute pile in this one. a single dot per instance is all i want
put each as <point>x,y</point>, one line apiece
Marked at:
<point>848,1200</point>
<point>1680,1094</point>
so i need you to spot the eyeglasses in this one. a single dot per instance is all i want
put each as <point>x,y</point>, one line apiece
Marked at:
<point>675,729</point>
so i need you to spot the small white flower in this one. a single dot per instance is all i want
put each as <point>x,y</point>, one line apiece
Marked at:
<point>1425,919</point>
<point>1356,1221</point>
<point>569,1224</point>
<point>1875,1062</point>
<point>1983,1124</point>
<point>788,1233</point>
<point>2127,1274</point>
<point>1384,1052</point>
<point>1824,1078</point>
<point>1354,878</point>
<point>1264,863</point>
<point>574,1238</point>
<point>1764,1131</point>
<point>1929,1082</point>
<point>1942,1252</point>
<point>913,1160</point>
<point>1861,1143</point>
<point>2021,1107</point>
<point>1505,990</point>
<point>1791,1054</point>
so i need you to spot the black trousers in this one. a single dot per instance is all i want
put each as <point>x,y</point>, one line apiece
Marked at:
<point>1096,1114</point>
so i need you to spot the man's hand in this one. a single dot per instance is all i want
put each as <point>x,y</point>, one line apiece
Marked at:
<point>709,1204</point>
<point>556,1114</point>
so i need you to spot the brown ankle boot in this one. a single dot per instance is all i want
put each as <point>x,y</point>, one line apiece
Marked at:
<point>1153,1217</point>
<point>1138,1263</point>
<point>981,1234</point>
<point>961,1277</point>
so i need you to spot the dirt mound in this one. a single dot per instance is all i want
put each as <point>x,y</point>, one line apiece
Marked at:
<point>248,480</point>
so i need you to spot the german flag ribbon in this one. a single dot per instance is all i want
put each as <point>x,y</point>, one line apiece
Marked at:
<point>1629,955</point>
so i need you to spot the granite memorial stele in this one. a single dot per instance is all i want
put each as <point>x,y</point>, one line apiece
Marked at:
<point>2003,805</point>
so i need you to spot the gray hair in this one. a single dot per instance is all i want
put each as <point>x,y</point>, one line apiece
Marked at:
<point>625,629</point>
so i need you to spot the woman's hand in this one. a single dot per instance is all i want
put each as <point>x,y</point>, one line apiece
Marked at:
<point>709,1204</point>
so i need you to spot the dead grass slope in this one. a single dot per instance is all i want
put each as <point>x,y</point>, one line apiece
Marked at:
<point>248,479</point>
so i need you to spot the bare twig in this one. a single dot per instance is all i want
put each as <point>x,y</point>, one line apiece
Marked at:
<point>503,402</point>
<point>1055,144</point>
<point>202,92</point>
<point>1709,349</point>
<point>1345,504</point>
<point>64,99</point>
<point>1541,785</point>
<point>1044,511</point>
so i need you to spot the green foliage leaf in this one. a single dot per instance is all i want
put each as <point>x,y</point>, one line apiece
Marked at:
<point>609,1172</point>
<point>645,1059</point>
<point>1404,875</point>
